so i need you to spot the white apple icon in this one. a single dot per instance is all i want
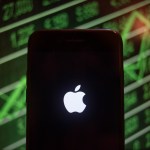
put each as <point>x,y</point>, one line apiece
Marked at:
<point>73,101</point>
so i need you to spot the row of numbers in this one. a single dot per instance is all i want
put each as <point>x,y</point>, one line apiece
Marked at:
<point>134,125</point>
<point>137,97</point>
<point>19,37</point>
<point>16,9</point>
<point>141,143</point>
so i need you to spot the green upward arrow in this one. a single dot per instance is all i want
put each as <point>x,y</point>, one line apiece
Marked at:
<point>130,22</point>
<point>13,97</point>
<point>140,66</point>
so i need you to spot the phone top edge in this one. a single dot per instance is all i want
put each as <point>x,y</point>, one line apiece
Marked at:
<point>39,33</point>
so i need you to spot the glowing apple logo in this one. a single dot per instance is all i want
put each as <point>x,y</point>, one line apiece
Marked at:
<point>73,101</point>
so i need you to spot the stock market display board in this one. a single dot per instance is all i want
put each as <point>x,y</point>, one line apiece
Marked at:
<point>20,18</point>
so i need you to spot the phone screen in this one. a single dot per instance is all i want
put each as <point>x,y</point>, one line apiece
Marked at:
<point>74,90</point>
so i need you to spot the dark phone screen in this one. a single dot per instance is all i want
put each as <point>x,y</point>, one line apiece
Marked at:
<point>59,61</point>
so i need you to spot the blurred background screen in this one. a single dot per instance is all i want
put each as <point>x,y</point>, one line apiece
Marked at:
<point>19,18</point>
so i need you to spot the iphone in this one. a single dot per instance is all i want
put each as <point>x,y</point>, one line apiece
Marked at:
<point>75,90</point>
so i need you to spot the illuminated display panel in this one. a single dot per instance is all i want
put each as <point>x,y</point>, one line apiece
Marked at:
<point>19,18</point>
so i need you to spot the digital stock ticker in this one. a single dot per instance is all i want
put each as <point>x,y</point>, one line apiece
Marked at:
<point>20,18</point>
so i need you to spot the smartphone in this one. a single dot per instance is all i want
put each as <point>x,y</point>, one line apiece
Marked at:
<point>75,90</point>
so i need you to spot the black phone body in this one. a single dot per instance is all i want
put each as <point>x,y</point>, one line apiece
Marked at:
<point>66,66</point>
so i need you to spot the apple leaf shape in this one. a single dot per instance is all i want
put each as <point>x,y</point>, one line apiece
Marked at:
<point>77,88</point>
